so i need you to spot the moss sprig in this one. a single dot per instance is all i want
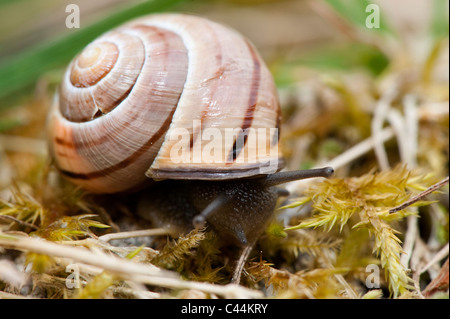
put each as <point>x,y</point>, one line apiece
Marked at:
<point>70,228</point>
<point>365,202</point>
<point>97,287</point>
<point>22,209</point>
<point>173,254</point>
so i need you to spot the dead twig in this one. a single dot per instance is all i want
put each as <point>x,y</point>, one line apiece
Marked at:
<point>21,222</point>
<point>419,196</point>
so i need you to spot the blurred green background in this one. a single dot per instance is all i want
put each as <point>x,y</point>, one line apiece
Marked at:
<point>35,42</point>
<point>299,39</point>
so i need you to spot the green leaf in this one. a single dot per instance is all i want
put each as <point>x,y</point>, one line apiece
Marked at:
<point>8,124</point>
<point>439,21</point>
<point>7,2</point>
<point>329,58</point>
<point>356,12</point>
<point>345,57</point>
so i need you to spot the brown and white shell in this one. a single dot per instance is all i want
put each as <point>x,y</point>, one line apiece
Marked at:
<point>127,97</point>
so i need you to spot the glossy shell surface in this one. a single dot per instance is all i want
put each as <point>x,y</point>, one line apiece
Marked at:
<point>158,98</point>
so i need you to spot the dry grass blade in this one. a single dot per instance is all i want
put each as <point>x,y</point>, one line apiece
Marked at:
<point>143,273</point>
<point>440,283</point>
<point>135,233</point>
<point>13,219</point>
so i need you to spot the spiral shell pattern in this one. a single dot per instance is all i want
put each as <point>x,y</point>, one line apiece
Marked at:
<point>122,98</point>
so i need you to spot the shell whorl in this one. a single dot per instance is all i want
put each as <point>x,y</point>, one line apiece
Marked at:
<point>123,96</point>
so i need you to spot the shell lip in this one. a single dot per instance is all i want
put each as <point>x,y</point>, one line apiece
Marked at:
<point>225,173</point>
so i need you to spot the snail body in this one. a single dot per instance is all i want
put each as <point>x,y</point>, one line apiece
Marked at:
<point>242,208</point>
<point>237,209</point>
<point>143,103</point>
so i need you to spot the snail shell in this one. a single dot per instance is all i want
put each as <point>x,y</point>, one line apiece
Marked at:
<point>129,92</point>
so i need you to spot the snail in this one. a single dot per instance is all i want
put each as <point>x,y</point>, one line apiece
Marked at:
<point>182,104</point>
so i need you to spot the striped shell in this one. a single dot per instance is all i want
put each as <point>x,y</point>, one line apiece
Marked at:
<point>127,97</point>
